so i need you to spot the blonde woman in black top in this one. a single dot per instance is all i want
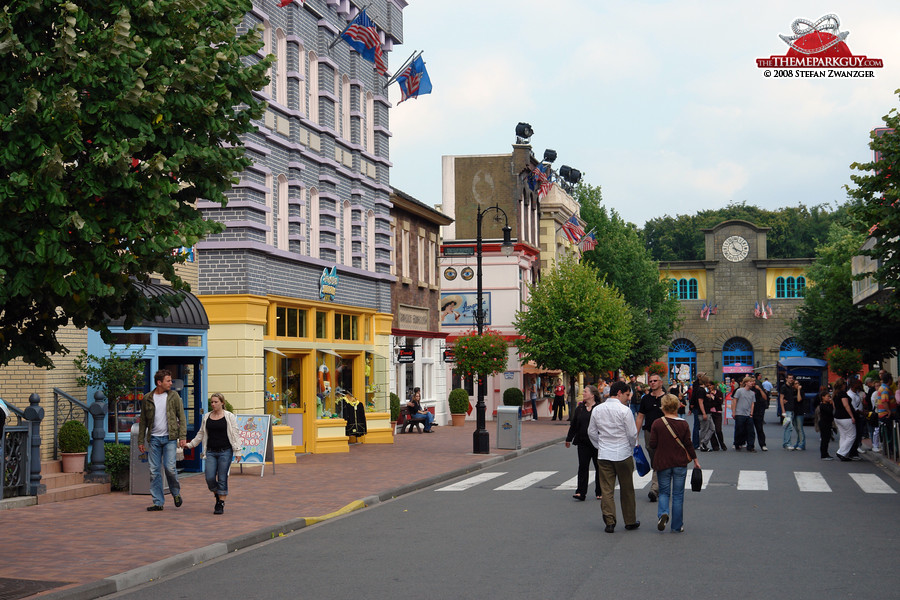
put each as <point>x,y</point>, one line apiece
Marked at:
<point>221,440</point>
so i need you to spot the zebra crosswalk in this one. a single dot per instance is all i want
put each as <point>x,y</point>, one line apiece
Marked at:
<point>747,481</point>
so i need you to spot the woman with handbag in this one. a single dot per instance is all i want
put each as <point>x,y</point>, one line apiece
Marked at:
<point>587,453</point>
<point>221,440</point>
<point>844,419</point>
<point>670,438</point>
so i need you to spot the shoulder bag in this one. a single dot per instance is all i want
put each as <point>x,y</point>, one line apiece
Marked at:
<point>696,474</point>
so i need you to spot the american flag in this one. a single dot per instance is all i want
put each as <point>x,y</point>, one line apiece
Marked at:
<point>573,229</point>
<point>588,242</point>
<point>538,181</point>
<point>363,37</point>
<point>414,80</point>
<point>756,312</point>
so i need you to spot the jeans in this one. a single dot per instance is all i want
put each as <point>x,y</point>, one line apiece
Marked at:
<point>743,431</point>
<point>587,458</point>
<point>654,480</point>
<point>671,485</point>
<point>824,438</point>
<point>793,421</point>
<point>758,420</point>
<point>429,419</point>
<point>695,435</point>
<point>162,450</point>
<point>534,408</point>
<point>216,470</point>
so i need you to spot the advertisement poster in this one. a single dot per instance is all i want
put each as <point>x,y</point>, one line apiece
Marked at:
<point>256,439</point>
<point>458,308</point>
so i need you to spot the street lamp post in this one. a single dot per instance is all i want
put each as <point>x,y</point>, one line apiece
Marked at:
<point>481,443</point>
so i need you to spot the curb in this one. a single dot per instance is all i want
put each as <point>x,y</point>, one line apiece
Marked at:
<point>186,560</point>
<point>881,461</point>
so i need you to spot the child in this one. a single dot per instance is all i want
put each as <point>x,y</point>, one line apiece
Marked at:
<point>824,422</point>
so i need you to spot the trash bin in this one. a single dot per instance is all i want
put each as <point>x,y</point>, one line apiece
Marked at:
<point>509,428</point>
<point>139,480</point>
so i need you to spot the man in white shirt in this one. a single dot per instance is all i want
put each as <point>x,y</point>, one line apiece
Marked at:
<point>613,433</point>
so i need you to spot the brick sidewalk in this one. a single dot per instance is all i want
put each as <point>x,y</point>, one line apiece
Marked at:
<point>85,540</point>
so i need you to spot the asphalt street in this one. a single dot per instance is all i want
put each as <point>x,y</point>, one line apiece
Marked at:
<point>773,524</point>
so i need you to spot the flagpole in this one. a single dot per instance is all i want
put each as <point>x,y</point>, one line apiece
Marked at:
<point>344,30</point>
<point>410,60</point>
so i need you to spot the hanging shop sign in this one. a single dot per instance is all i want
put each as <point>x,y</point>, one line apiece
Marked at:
<point>328,284</point>
<point>450,356</point>
<point>406,355</point>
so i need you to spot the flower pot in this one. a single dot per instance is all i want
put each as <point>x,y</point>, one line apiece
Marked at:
<point>458,420</point>
<point>73,462</point>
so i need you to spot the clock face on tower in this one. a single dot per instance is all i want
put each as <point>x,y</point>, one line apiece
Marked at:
<point>735,248</point>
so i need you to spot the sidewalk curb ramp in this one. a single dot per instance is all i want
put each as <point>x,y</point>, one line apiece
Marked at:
<point>186,560</point>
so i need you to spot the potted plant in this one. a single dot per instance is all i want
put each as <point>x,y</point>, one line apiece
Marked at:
<point>73,444</point>
<point>395,409</point>
<point>117,375</point>
<point>459,406</point>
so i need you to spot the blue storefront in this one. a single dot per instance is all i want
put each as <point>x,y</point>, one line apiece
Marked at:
<point>178,343</point>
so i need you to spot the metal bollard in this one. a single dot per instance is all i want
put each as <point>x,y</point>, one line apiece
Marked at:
<point>34,414</point>
<point>97,469</point>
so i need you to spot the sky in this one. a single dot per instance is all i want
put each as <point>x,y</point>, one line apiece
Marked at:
<point>660,103</point>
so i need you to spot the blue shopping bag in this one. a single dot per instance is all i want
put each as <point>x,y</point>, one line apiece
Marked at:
<point>640,461</point>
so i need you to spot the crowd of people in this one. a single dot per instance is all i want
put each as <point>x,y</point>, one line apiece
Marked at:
<point>605,427</point>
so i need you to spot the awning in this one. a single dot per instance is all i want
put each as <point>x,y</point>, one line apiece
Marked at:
<point>530,368</point>
<point>329,352</point>
<point>275,351</point>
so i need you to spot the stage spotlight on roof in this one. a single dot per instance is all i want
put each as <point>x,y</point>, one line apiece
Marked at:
<point>571,175</point>
<point>549,155</point>
<point>523,133</point>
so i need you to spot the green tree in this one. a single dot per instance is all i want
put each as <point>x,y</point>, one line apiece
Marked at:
<point>117,117</point>
<point>828,317</point>
<point>623,261</point>
<point>795,231</point>
<point>574,322</point>
<point>115,375</point>
<point>877,198</point>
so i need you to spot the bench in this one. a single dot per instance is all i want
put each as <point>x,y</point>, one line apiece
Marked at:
<point>406,423</point>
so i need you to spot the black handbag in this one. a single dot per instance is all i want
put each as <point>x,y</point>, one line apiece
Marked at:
<point>696,480</point>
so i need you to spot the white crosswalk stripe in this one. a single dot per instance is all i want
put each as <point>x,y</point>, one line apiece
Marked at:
<point>753,480</point>
<point>465,484</point>
<point>527,481</point>
<point>748,480</point>
<point>871,484</point>
<point>811,482</point>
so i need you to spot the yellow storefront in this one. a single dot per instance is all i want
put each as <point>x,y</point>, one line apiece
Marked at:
<point>318,368</point>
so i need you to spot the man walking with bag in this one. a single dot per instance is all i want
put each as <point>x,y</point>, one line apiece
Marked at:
<point>649,411</point>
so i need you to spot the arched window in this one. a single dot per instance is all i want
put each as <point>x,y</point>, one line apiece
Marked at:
<point>687,288</point>
<point>312,87</point>
<point>281,95</point>
<point>267,49</point>
<point>790,287</point>
<point>347,219</point>
<point>682,352</point>
<point>789,348</point>
<point>801,287</point>
<point>673,288</point>
<point>282,213</point>
<point>370,123</point>
<point>737,356</point>
<point>682,289</point>
<point>314,223</point>
<point>301,85</point>
<point>370,241</point>
<point>345,108</point>
<point>270,211</point>
<point>692,289</point>
<point>779,288</point>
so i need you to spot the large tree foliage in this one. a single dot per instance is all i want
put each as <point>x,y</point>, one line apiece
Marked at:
<point>116,117</point>
<point>877,196</point>
<point>828,317</point>
<point>574,322</point>
<point>622,259</point>
<point>795,231</point>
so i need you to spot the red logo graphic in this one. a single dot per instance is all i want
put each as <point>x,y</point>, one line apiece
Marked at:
<point>818,45</point>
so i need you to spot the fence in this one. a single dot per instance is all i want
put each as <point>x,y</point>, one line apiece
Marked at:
<point>889,436</point>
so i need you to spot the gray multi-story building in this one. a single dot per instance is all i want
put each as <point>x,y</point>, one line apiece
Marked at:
<point>298,285</point>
